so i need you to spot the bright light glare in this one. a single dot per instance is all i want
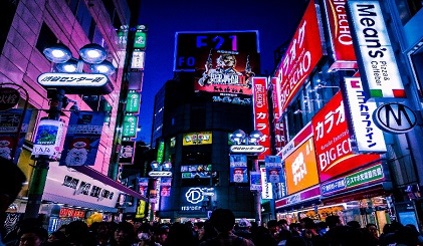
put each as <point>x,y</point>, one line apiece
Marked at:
<point>70,68</point>
<point>102,69</point>
<point>93,53</point>
<point>58,53</point>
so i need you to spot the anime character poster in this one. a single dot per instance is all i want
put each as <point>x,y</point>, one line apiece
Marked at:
<point>82,139</point>
<point>274,171</point>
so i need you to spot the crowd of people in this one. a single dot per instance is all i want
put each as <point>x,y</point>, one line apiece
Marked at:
<point>220,229</point>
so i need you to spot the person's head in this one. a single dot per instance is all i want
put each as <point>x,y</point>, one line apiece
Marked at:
<point>354,224</point>
<point>283,224</point>
<point>56,236</point>
<point>223,220</point>
<point>124,233</point>
<point>227,60</point>
<point>372,229</point>
<point>11,182</point>
<point>34,236</point>
<point>333,220</point>
<point>273,226</point>
<point>307,223</point>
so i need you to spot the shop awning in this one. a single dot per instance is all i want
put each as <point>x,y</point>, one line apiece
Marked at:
<point>107,180</point>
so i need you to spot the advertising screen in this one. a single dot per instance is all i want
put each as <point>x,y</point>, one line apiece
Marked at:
<point>301,168</point>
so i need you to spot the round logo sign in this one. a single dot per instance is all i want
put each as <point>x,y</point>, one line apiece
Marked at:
<point>395,118</point>
<point>9,97</point>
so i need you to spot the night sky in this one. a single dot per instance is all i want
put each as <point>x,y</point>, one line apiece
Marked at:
<point>276,21</point>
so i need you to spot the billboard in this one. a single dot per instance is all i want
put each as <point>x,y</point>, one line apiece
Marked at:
<point>261,114</point>
<point>223,63</point>
<point>332,140</point>
<point>197,138</point>
<point>301,168</point>
<point>368,136</point>
<point>376,57</point>
<point>302,55</point>
<point>340,35</point>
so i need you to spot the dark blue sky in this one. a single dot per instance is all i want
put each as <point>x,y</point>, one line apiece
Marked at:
<point>276,21</point>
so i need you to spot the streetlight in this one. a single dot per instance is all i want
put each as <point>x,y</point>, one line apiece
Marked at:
<point>67,75</point>
<point>249,144</point>
<point>159,171</point>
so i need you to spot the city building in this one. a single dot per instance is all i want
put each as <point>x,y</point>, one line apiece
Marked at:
<point>28,27</point>
<point>347,105</point>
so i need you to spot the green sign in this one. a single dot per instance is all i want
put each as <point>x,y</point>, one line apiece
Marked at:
<point>140,39</point>
<point>160,152</point>
<point>129,128</point>
<point>364,176</point>
<point>133,101</point>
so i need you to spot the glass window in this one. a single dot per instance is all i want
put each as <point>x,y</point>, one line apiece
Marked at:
<point>408,8</point>
<point>46,38</point>
<point>7,12</point>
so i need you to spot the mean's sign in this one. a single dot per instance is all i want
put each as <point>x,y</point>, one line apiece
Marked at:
<point>376,58</point>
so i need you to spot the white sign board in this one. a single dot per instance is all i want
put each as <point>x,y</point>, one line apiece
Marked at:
<point>375,53</point>
<point>368,136</point>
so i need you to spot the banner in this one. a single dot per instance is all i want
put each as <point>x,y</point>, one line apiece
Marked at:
<point>165,186</point>
<point>9,123</point>
<point>127,153</point>
<point>238,168</point>
<point>255,181</point>
<point>143,186</point>
<point>82,139</point>
<point>274,171</point>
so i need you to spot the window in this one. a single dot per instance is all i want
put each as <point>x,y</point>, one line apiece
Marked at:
<point>46,38</point>
<point>7,11</point>
<point>408,8</point>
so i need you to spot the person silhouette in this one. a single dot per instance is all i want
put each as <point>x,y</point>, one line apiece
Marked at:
<point>11,182</point>
<point>223,221</point>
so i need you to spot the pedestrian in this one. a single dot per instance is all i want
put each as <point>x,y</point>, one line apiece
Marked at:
<point>223,220</point>
<point>11,182</point>
<point>32,236</point>
<point>124,234</point>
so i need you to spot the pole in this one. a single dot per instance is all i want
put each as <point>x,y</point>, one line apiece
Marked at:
<point>258,196</point>
<point>39,175</point>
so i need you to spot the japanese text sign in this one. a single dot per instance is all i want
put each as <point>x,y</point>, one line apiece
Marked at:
<point>261,113</point>
<point>368,136</point>
<point>302,55</point>
<point>301,168</point>
<point>332,141</point>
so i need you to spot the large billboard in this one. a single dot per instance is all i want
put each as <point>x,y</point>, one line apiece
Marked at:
<point>332,140</point>
<point>376,57</point>
<point>303,54</point>
<point>223,63</point>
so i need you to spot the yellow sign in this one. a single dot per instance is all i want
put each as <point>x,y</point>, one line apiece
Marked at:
<point>197,138</point>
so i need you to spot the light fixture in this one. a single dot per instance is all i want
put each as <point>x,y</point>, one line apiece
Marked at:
<point>105,67</point>
<point>155,165</point>
<point>298,111</point>
<point>238,136</point>
<point>57,53</point>
<point>255,137</point>
<point>93,53</point>
<point>167,165</point>
<point>70,66</point>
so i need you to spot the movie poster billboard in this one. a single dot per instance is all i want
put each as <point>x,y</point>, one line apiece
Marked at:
<point>223,63</point>
<point>82,139</point>
<point>238,169</point>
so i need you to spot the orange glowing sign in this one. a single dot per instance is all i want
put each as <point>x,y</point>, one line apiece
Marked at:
<point>301,168</point>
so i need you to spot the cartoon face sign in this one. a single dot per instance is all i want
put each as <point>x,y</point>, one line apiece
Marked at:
<point>5,149</point>
<point>76,157</point>
<point>273,176</point>
<point>238,175</point>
